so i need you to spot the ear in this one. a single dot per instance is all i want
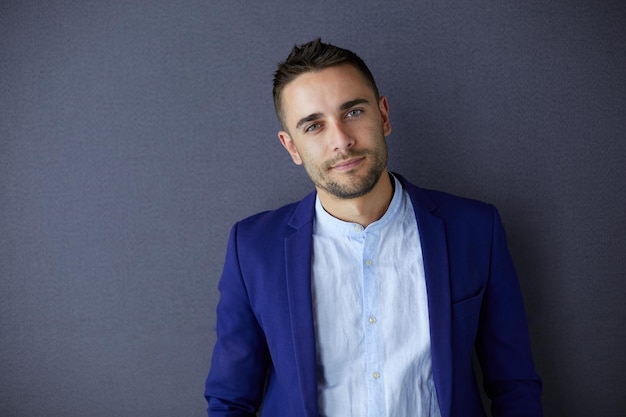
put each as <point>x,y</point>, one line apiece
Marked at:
<point>383,106</point>
<point>288,144</point>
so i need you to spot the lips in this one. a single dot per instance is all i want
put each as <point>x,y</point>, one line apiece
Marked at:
<point>348,164</point>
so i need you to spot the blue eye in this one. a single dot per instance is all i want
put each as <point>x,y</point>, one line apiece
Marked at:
<point>312,127</point>
<point>354,113</point>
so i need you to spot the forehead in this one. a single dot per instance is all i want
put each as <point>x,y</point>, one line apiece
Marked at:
<point>324,90</point>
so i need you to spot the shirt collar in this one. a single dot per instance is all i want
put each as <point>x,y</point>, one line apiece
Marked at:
<point>327,224</point>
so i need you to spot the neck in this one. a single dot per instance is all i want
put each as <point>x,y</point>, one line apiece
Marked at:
<point>363,210</point>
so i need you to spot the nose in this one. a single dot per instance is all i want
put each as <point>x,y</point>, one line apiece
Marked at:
<point>341,137</point>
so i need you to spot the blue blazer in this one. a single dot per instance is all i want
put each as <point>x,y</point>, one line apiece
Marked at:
<point>265,351</point>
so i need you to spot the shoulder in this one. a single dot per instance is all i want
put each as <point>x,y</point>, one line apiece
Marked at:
<point>435,200</point>
<point>257,243</point>
<point>455,205</point>
<point>277,222</point>
<point>454,210</point>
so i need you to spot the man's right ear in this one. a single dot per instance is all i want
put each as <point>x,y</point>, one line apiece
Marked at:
<point>288,144</point>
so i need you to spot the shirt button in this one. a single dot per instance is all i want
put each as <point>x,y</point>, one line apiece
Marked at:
<point>372,319</point>
<point>358,228</point>
<point>369,262</point>
<point>376,375</point>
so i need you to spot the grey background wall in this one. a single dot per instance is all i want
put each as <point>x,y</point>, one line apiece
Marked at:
<point>133,134</point>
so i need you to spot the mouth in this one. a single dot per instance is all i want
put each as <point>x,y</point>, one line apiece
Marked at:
<point>347,164</point>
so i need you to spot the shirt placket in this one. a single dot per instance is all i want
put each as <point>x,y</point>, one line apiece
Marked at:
<point>371,326</point>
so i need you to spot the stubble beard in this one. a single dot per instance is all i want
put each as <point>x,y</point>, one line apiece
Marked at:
<point>355,186</point>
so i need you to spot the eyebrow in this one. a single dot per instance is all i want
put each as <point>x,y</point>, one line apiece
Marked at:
<point>344,106</point>
<point>309,118</point>
<point>352,103</point>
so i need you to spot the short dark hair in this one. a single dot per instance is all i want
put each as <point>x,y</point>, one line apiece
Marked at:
<point>314,56</point>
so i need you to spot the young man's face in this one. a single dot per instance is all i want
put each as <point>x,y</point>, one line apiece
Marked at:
<point>336,128</point>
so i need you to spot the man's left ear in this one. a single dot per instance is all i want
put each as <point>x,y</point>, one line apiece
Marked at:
<point>383,106</point>
<point>288,144</point>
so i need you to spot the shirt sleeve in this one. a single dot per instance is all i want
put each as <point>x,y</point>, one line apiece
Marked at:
<point>236,381</point>
<point>503,343</point>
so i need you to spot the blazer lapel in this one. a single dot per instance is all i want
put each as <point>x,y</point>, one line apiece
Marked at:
<point>434,250</point>
<point>298,249</point>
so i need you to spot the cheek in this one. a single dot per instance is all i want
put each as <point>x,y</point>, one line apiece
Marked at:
<point>308,154</point>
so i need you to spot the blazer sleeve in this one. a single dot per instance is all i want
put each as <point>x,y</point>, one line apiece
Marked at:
<point>503,343</point>
<point>236,381</point>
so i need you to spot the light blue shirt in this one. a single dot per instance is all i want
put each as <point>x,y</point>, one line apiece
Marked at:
<point>371,316</point>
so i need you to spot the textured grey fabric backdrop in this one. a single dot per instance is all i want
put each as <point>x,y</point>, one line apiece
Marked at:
<point>133,134</point>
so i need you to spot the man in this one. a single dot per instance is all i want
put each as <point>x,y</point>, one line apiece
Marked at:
<point>369,296</point>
